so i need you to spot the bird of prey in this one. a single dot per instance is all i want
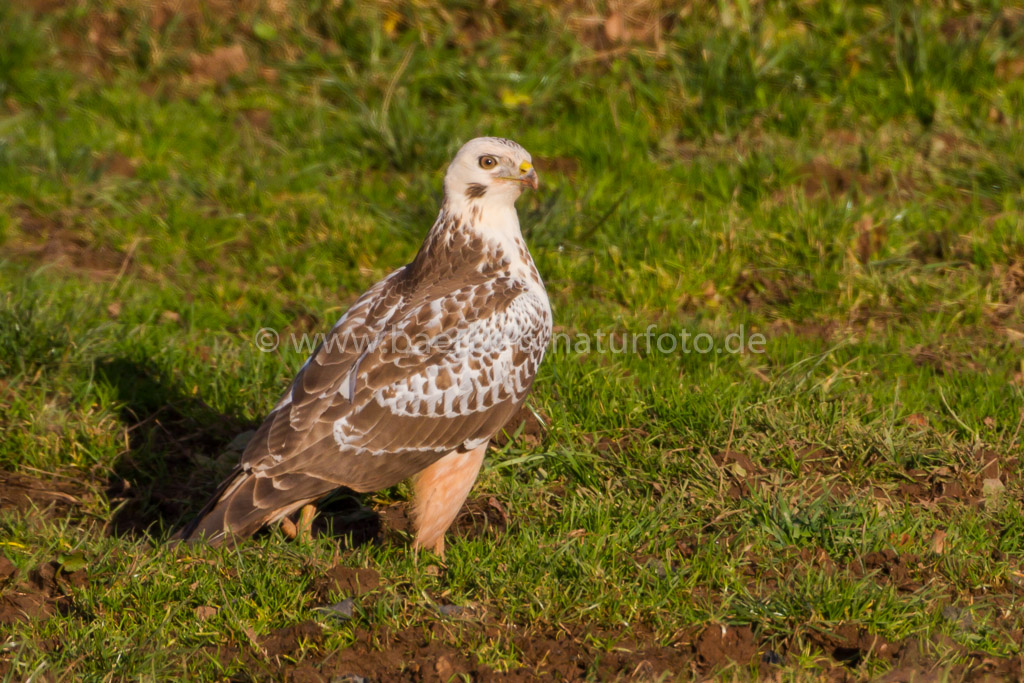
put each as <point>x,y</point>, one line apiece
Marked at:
<point>416,377</point>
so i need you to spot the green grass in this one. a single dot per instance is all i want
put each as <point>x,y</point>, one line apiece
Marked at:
<point>843,178</point>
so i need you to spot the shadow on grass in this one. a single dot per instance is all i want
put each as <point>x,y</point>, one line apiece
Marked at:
<point>179,450</point>
<point>169,468</point>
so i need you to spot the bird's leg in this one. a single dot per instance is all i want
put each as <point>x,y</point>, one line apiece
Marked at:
<point>288,527</point>
<point>439,492</point>
<point>304,528</point>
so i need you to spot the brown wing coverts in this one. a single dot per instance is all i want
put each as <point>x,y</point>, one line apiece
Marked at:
<point>410,373</point>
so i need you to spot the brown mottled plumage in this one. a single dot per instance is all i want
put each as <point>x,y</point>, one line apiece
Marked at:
<point>417,376</point>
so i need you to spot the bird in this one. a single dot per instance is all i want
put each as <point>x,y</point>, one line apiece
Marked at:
<point>417,375</point>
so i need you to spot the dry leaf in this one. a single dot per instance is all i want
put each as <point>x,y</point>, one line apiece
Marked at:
<point>493,502</point>
<point>992,488</point>
<point>1009,69</point>
<point>916,420</point>
<point>870,238</point>
<point>219,65</point>
<point>938,542</point>
<point>1013,335</point>
<point>614,27</point>
<point>204,612</point>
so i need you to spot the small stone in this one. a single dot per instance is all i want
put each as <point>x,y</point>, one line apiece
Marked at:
<point>7,568</point>
<point>992,488</point>
<point>659,568</point>
<point>959,617</point>
<point>450,610</point>
<point>342,611</point>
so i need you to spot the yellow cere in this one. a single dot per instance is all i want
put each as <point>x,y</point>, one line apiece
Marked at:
<point>525,166</point>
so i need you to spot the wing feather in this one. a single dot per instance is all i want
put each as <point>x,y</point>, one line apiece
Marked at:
<point>407,375</point>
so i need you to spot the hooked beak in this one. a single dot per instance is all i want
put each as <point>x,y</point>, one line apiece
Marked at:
<point>527,175</point>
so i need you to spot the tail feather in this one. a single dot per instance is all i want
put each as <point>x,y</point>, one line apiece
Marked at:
<point>245,503</point>
<point>230,512</point>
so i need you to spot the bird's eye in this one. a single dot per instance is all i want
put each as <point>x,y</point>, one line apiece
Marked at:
<point>488,162</point>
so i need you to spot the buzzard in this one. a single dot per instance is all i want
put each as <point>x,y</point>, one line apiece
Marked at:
<point>416,377</point>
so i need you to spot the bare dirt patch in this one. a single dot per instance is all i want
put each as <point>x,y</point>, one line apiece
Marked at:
<point>23,493</point>
<point>46,590</point>
<point>219,65</point>
<point>822,330</point>
<point>720,644</point>
<point>116,165</point>
<point>821,178</point>
<point>53,239</point>
<point>761,289</point>
<point>739,471</point>
<point>480,517</point>
<point>436,652</point>
<point>851,645</point>
<point>349,581</point>
<point>527,428</point>
<point>1011,282</point>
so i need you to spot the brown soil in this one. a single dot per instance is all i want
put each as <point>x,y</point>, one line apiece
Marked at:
<point>116,166</point>
<point>480,517</point>
<point>219,65</point>
<point>1011,282</point>
<point>54,496</point>
<point>435,649</point>
<point>436,652</point>
<point>346,581</point>
<point>53,239</point>
<point>823,330</point>
<point>739,472</point>
<point>761,289</point>
<point>45,591</point>
<point>820,178</point>
<point>718,644</point>
<point>616,441</point>
<point>525,428</point>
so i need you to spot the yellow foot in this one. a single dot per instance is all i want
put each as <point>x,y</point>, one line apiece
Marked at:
<point>288,527</point>
<point>305,525</point>
<point>303,530</point>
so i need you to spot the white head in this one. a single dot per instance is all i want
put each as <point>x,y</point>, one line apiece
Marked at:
<point>492,171</point>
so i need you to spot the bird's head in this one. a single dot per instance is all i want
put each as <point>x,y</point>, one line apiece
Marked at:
<point>489,170</point>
